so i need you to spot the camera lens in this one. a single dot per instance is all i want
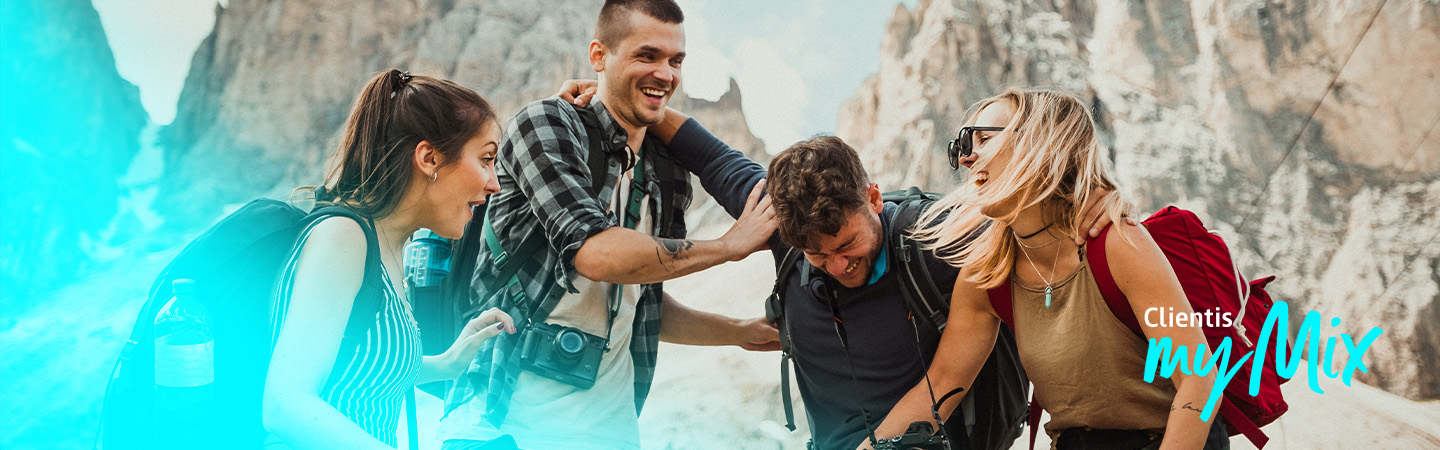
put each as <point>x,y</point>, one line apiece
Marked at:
<point>569,342</point>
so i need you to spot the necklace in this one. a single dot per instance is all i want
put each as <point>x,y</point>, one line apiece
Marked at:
<point>1047,244</point>
<point>385,242</point>
<point>1021,239</point>
<point>1028,236</point>
<point>1049,289</point>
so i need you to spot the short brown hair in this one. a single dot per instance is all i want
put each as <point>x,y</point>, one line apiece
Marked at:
<point>816,185</point>
<point>614,23</point>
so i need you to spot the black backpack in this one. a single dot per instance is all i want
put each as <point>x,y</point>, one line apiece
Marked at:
<point>235,265</point>
<point>995,409</point>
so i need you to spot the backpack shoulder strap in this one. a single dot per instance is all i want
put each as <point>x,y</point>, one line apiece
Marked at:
<point>595,156</point>
<point>775,313</point>
<point>1002,303</point>
<point>673,181</point>
<point>1114,298</point>
<point>917,286</point>
<point>367,305</point>
<point>775,304</point>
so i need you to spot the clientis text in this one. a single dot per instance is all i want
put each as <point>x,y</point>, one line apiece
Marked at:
<point>1163,357</point>
<point>1167,317</point>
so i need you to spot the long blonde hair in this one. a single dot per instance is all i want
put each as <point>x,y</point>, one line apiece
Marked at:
<point>1051,157</point>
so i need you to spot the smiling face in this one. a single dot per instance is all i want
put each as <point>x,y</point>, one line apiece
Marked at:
<point>640,73</point>
<point>985,163</point>
<point>849,255</point>
<point>462,184</point>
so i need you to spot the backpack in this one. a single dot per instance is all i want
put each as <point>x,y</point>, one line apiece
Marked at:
<point>999,390</point>
<point>235,265</point>
<point>1211,280</point>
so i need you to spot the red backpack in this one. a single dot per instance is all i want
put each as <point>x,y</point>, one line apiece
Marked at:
<point>1211,280</point>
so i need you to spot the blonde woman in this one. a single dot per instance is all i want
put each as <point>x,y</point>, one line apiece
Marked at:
<point>1036,161</point>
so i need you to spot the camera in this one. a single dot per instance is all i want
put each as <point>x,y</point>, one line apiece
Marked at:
<point>919,436</point>
<point>562,353</point>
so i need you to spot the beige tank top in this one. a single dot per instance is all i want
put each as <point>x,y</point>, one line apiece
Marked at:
<point>1086,365</point>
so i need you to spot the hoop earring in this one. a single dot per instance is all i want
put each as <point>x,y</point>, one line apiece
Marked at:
<point>434,176</point>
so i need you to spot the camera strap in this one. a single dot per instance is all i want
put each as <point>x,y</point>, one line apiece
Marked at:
<point>639,189</point>
<point>833,301</point>
<point>934,404</point>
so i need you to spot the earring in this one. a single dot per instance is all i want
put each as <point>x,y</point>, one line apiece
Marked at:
<point>434,176</point>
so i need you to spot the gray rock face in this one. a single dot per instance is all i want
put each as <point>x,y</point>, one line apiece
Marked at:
<point>270,88</point>
<point>1325,111</point>
<point>71,126</point>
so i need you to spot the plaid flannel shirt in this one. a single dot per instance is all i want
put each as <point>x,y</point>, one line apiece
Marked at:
<point>546,188</point>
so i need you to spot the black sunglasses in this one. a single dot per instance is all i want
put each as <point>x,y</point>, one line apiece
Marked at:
<point>964,144</point>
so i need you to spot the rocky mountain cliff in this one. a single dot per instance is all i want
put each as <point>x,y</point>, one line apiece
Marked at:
<point>1324,110</point>
<point>71,127</point>
<point>270,88</point>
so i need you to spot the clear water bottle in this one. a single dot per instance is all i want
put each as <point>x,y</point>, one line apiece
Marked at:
<point>427,263</point>
<point>184,370</point>
<point>427,259</point>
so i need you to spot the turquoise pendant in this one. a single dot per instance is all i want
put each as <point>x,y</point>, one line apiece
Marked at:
<point>1047,296</point>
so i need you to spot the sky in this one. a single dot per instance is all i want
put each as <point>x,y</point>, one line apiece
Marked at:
<point>796,61</point>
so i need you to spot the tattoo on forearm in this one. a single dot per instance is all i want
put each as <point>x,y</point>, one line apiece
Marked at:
<point>1187,406</point>
<point>675,249</point>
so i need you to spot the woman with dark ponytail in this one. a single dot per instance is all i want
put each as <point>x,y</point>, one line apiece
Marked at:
<point>417,152</point>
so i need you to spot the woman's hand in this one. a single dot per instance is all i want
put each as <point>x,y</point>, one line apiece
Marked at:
<point>578,92</point>
<point>485,326</point>
<point>449,365</point>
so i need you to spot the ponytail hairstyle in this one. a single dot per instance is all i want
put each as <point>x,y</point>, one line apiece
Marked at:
<point>1051,158</point>
<point>371,169</point>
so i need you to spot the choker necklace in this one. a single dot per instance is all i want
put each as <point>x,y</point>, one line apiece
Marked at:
<point>1049,289</point>
<point>1021,239</point>
<point>1028,236</point>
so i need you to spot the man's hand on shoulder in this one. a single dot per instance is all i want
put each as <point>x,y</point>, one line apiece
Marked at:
<point>751,232</point>
<point>578,92</point>
<point>1096,218</point>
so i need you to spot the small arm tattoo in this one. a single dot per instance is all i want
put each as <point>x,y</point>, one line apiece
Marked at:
<point>674,248</point>
<point>1187,406</point>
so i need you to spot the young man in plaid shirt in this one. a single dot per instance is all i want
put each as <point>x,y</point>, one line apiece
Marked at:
<point>608,246</point>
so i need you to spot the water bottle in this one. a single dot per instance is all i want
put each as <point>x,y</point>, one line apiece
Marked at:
<point>427,259</point>
<point>184,370</point>
<point>427,263</point>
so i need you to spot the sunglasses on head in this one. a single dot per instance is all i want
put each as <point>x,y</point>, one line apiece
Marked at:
<point>964,144</point>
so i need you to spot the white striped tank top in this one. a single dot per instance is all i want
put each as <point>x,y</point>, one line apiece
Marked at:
<point>373,378</point>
